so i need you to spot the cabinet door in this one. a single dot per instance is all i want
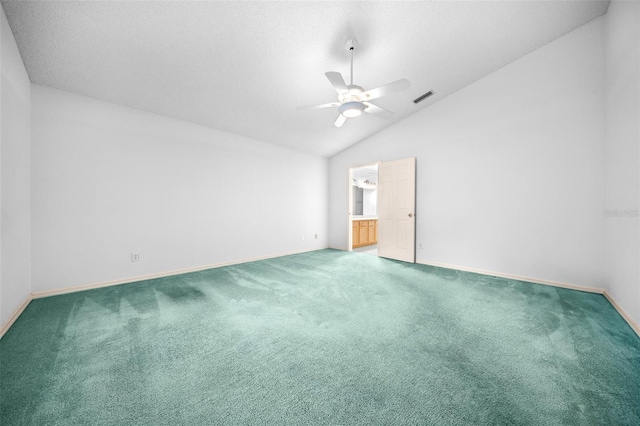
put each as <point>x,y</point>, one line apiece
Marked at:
<point>364,232</point>
<point>376,232</point>
<point>371,238</point>
<point>355,234</point>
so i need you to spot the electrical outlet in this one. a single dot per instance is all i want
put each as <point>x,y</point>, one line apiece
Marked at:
<point>316,236</point>
<point>420,246</point>
<point>135,257</point>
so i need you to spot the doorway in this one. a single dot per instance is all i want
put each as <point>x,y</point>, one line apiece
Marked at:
<point>363,209</point>
<point>382,203</point>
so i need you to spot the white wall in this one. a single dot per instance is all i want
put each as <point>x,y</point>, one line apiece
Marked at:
<point>622,89</point>
<point>15,137</point>
<point>510,176</point>
<point>109,181</point>
<point>369,202</point>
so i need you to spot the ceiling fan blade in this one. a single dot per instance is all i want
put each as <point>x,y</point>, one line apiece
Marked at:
<point>378,111</point>
<point>329,105</point>
<point>340,121</point>
<point>336,80</point>
<point>396,86</point>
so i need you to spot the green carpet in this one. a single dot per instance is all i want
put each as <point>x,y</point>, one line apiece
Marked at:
<point>327,337</point>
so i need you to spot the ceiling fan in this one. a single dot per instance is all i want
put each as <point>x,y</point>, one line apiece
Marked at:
<point>352,99</point>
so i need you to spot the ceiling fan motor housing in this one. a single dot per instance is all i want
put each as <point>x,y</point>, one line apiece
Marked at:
<point>352,95</point>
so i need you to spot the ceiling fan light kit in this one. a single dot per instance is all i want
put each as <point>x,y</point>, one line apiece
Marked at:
<point>351,109</point>
<point>353,99</point>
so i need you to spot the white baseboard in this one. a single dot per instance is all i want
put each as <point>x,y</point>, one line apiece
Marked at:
<point>48,293</point>
<point>36,295</point>
<point>513,277</point>
<point>632,323</point>
<point>15,316</point>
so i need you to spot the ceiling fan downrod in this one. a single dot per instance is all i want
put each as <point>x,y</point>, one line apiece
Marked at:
<point>352,49</point>
<point>351,45</point>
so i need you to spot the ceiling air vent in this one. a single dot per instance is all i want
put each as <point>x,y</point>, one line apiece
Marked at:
<point>423,97</point>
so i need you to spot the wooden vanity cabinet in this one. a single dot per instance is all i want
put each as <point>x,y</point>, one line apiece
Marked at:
<point>365,232</point>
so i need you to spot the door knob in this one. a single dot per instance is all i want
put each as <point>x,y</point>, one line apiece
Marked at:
<point>410,214</point>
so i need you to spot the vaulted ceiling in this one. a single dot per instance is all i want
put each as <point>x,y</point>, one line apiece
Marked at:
<point>243,67</point>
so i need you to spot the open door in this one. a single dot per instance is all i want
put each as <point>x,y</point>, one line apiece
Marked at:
<point>396,210</point>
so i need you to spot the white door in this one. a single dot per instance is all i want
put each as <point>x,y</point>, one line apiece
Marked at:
<point>396,209</point>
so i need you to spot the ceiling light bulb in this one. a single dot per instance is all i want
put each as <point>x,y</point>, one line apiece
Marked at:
<point>351,109</point>
<point>352,113</point>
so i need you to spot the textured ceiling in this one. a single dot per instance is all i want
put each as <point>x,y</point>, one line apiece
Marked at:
<point>243,67</point>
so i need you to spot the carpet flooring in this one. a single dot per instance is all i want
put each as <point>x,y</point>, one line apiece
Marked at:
<point>326,337</point>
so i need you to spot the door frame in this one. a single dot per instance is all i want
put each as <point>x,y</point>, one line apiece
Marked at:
<point>350,200</point>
